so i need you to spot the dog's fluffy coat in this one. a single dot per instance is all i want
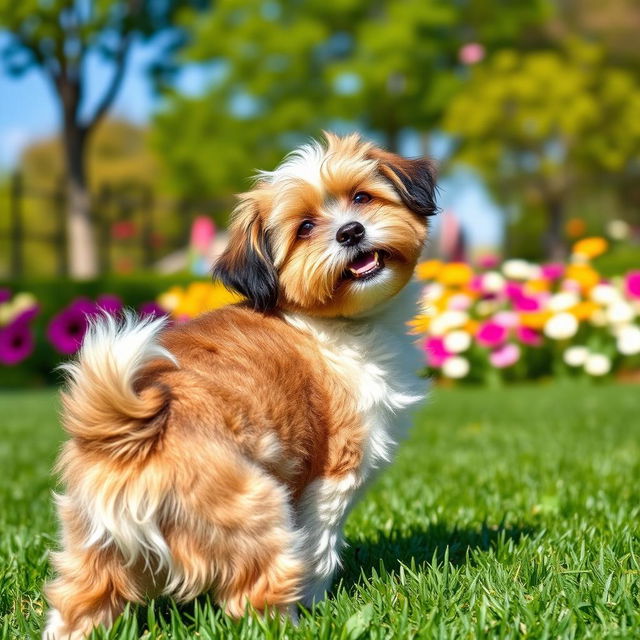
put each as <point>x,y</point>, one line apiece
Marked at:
<point>224,454</point>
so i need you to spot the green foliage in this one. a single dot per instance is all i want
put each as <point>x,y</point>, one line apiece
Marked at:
<point>286,69</point>
<point>509,514</point>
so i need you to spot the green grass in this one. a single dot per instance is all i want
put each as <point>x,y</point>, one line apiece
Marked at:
<point>510,513</point>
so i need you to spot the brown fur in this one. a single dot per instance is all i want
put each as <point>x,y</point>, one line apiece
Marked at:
<point>221,447</point>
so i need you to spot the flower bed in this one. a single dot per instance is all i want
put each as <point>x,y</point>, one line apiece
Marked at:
<point>523,320</point>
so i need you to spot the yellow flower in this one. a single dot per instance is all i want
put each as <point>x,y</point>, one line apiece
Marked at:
<point>584,310</point>
<point>455,274</point>
<point>534,319</point>
<point>428,270</point>
<point>197,298</point>
<point>590,247</point>
<point>537,285</point>
<point>585,275</point>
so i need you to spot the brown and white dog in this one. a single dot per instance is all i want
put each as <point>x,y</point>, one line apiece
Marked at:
<point>223,455</point>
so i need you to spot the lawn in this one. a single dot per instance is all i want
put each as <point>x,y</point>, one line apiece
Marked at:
<point>510,513</point>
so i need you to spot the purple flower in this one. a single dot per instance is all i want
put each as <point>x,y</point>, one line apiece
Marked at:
<point>436,351</point>
<point>491,334</point>
<point>151,308</point>
<point>27,315</point>
<point>529,336</point>
<point>632,284</point>
<point>67,328</point>
<point>5,294</point>
<point>505,356</point>
<point>109,303</point>
<point>16,342</point>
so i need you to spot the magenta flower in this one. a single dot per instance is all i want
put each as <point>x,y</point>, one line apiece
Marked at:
<point>109,303</point>
<point>476,283</point>
<point>552,270</point>
<point>27,315</point>
<point>5,294</point>
<point>529,336</point>
<point>513,290</point>
<point>16,342</point>
<point>526,303</point>
<point>632,284</point>
<point>151,308</point>
<point>67,328</point>
<point>436,351</point>
<point>491,334</point>
<point>488,261</point>
<point>505,356</point>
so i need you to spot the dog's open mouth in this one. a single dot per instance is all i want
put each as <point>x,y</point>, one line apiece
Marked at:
<point>366,265</point>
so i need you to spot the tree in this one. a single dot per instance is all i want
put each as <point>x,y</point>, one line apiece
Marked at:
<point>548,123</point>
<point>286,69</point>
<point>59,37</point>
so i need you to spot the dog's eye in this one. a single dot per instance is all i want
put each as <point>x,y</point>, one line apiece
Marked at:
<point>361,198</point>
<point>305,229</point>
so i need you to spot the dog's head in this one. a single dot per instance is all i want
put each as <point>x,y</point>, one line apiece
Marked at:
<point>335,230</point>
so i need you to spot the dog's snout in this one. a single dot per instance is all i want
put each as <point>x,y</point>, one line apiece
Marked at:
<point>350,234</point>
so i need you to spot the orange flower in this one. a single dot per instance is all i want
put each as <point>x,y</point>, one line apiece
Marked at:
<point>575,227</point>
<point>590,247</point>
<point>537,285</point>
<point>585,275</point>
<point>455,274</point>
<point>584,310</point>
<point>534,319</point>
<point>428,270</point>
<point>472,327</point>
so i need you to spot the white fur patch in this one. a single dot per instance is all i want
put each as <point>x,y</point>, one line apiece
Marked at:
<point>379,361</point>
<point>304,163</point>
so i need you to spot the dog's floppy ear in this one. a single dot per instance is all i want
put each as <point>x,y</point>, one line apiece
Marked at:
<point>246,265</point>
<point>413,179</point>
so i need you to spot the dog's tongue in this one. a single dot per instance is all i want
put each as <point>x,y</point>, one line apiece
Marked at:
<point>364,263</point>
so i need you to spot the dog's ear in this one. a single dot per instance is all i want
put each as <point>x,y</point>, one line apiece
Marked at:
<point>413,179</point>
<point>246,265</point>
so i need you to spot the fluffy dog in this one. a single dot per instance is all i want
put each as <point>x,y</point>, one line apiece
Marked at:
<point>223,455</point>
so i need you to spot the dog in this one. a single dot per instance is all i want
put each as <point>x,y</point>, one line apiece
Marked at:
<point>223,455</point>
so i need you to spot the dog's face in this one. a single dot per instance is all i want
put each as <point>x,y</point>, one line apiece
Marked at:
<point>334,231</point>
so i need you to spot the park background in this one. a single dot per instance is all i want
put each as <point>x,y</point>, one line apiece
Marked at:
<point>126,128</point>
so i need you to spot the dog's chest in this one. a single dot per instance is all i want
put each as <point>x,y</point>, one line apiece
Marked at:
<point>377,364</point>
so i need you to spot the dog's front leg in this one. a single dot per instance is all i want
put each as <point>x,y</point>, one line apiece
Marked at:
<point>322,510</point>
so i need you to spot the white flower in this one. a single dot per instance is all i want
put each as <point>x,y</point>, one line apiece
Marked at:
<point>576,356</point>
<point>457,341</point>
<point>620,312</point>
<point>618,229</point>
<point>459,302</point>
<point>563,301</point>
<point>447,320</point>
<point>455,367</point>
<point>561,326</point>
<point>433,291</point>
<point>520,270</point>
<point>604,294</point>
<point>628,340</point>
<point>597,364</point>
<point>486,307</point>
<point>493,282</point>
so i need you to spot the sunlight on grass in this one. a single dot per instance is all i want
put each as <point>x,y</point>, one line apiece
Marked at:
<point>509,513</point>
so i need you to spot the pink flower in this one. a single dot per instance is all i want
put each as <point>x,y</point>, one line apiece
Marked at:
<point>459,302</point>
<point>436,352</point>
<point>476,283</point>
<point>529,336</point>
<point>507,319</point>
<point>491,334</point>
<point>552,270</point>
<point>488,261</point>
<point>505,356</point>
<point>471,53</point>
<point>632,284</point>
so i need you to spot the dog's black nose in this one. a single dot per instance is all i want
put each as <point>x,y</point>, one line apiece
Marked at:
<point>350,234</point>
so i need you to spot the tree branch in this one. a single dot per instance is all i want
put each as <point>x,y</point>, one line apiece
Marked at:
<point>116,80</point>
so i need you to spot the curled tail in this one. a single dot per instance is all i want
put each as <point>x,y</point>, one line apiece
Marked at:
<point>101,407</point>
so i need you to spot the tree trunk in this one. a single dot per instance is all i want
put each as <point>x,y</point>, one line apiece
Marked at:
<point>553,239</point>
<point>83,259</point>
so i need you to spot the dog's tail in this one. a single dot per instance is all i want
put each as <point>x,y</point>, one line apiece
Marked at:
<point>101,407</point>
